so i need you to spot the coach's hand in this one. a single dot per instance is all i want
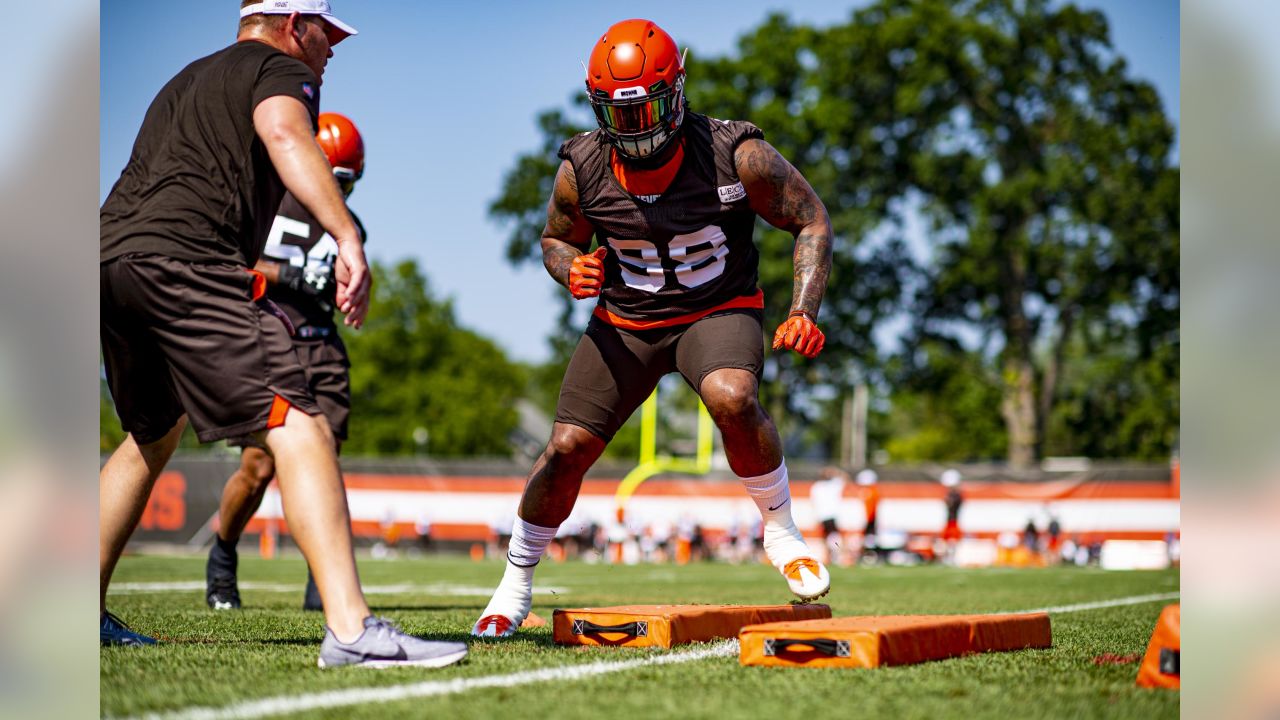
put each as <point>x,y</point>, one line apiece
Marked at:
<point>353,282</point>
<point>799,333</point>
<point>586,274</point>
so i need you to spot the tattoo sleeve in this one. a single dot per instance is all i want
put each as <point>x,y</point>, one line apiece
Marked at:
<point>567,233</point>
<point>781,195</point>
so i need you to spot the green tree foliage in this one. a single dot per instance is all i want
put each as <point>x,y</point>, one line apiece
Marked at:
<point>1042,174</point>
<point>945,406</point>
<point>413,366</point>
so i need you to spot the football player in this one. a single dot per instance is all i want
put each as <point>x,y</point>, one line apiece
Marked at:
<point>298,263</point>
<point>671,197</point>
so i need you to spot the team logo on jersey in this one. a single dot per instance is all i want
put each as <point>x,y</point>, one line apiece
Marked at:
<point>309,91</point>
<point>731,193</point>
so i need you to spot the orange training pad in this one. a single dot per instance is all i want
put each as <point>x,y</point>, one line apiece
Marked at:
<point>667,625</point>
<point>876,641</point>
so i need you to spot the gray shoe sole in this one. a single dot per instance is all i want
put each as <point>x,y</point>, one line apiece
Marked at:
<point>435,662</point>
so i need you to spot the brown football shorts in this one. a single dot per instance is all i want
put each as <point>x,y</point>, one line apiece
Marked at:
<point>328,378</point>
<point>188,337</point>
<point>613,370</point>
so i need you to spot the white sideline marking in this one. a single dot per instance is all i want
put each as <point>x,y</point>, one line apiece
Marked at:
<point>288,704</point>
<point>355,696</point>
<point>431,589</point>
<point>1079,607</point>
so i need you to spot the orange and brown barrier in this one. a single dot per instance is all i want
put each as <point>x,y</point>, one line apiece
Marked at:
<point>668,625</point>
<point>878,641</point>
<point>1161,665</point>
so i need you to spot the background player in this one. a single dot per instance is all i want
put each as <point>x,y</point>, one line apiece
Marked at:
<point>867,480</point>
<point>672,197</point>
<point>826,494</point>
<point>951,531</point>
<point>298,263</point>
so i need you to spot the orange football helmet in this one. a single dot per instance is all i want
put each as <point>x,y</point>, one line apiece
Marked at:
<point>344,147</point>
<point>635,83</point>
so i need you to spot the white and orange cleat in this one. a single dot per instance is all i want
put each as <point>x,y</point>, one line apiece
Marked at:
<point>509,606</point>
<point>786,549</point>
<point>494,626</point>
<point>807,578</point>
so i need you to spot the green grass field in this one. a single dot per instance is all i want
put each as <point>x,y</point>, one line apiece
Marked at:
<point>268,650</point>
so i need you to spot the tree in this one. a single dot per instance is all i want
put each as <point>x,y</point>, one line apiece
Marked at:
<point>416,372</point>
<point>1044,171</point>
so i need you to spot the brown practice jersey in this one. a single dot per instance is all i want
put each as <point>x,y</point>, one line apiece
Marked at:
<point>687,250</point>
<point>297,238</point>
<point>199,185</point>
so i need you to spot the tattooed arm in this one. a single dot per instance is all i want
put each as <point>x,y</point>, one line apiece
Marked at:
<point>780,195</point>
<point>567,234</point>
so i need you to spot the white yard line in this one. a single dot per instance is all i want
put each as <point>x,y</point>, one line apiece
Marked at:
<point>1079,607</point>
<point>284,705</point>
<point>131,588</point>
<point>288,704</point>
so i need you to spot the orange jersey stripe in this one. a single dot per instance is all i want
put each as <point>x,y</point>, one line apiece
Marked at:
<point>755,302</point>
<point>641,181</point>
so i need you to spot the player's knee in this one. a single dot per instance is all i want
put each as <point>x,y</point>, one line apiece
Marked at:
<point>258,465</point>
<point>571,444</point>
<point>730,399</point>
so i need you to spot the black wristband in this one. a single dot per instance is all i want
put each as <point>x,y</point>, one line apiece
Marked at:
<point>290,276</point>
<point>804,314</point>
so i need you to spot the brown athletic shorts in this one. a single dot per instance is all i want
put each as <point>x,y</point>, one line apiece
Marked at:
<point>613,370</point>
<point>187,337</point>
<point>328,378</point>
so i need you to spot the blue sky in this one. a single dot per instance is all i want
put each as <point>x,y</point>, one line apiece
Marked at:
<point>445,94</point>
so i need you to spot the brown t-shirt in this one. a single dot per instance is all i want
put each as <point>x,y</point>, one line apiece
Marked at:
<point>199,185</point>
<point>686,250</point>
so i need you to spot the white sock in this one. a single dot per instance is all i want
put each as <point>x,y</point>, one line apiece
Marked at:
<point>528,542</point>
<point>515,593</point>
<point>772,494</point>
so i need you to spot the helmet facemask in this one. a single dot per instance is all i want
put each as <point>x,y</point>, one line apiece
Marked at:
<point>639,121</point>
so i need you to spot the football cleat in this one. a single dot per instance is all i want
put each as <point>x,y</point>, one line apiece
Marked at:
<point>221,591</point>
<point>494,626</point>
<point>807,578</point>
<point>113,631</point>
<point>311,596</point>
<point>383,645</point>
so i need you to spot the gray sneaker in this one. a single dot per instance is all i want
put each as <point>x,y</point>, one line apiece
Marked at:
<point>383,645</point>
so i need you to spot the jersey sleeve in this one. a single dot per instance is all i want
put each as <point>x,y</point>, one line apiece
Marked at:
<point>283,75</point>
<point>740,130</point>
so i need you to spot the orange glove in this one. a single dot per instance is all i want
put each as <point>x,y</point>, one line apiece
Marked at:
<point>586,275</point>
<point>799,333</point>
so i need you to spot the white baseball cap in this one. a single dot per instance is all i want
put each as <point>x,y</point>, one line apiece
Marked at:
<point>306,7</point>
<point>950,477</point>
<point>867,477</point>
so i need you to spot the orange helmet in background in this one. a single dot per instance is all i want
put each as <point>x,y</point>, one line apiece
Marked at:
<point>635,82</point>
<point>344,147</point>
